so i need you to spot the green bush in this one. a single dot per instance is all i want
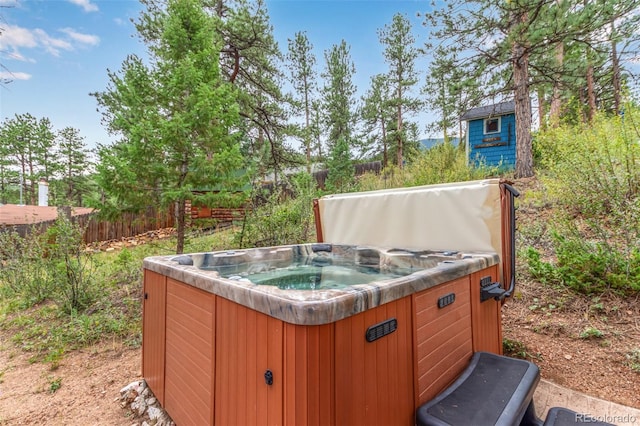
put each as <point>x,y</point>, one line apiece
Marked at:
<point>538,269</point>
<point>282,219</point>
<point>441,163</point>
<point>127,268</point>
<point>69,266</point>
<point>24,268</point>
<point>592,174</point>
<point>586,267</point>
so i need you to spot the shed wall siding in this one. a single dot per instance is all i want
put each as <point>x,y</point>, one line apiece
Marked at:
<point>494,154</point>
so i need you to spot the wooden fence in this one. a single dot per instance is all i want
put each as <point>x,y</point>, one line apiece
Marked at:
<point>128,225</point>
<point>96,230</point>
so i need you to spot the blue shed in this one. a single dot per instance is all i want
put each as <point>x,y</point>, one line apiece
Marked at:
<point>491,134</point>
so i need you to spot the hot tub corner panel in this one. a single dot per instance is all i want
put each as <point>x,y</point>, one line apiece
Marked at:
<point>153,332</point>
<point>190,348</point>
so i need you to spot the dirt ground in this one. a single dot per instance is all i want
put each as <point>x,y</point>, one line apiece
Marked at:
<point>544,325</point>
<point>89,383</point>
<point>597,366</point>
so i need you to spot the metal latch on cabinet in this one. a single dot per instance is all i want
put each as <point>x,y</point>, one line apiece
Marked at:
<point>491,290</point>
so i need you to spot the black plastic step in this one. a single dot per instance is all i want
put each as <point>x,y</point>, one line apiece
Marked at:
<point>492,390</point>
<point>558,416</point>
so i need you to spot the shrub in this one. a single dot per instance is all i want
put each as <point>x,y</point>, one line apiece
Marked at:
<point>278,221</point>
<point>69,266</point>
<point>592,174</point>
<point>24,268</point>
<point>538,269</point>
<point>585,266</point>
<point>445,163</point>
<point>441,163</point>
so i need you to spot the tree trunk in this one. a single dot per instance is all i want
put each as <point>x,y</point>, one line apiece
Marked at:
<point>307,116</point>
<point>542,109</point>
<point>399,123</point>
<point>615,64</point>
<point>384,141</point>
<point>180,225</point>
<point>524,152</point>
<point>556,102</point>
<point>591,93</point>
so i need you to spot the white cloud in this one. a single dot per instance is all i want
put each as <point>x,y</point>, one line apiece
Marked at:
<point>51,44</point>
<point>86,5</point>
<point>6,75</point>
<point>89,39</point>
<point>14,39</point>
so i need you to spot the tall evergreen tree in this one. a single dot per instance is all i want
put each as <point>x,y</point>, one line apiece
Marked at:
<point>316,127</point>
<point>29,141</point>
<point>340,167</point>
<point>177,118</point>
<point>73,156</point>
<point>302,67</point>
<point>250,60</point>
<point>377,114</point>
<point>400,54</point>
<point>450,90</point>
<point>7,166</point>
<point>498,40</point>
<point>339,94</point>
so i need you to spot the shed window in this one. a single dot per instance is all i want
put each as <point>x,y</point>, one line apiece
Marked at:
<point>492,125</point>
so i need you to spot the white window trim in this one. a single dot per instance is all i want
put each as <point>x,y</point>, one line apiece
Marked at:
<point>484,125</point>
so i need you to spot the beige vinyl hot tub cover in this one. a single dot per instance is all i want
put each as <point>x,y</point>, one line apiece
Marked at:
<point>463,216</point>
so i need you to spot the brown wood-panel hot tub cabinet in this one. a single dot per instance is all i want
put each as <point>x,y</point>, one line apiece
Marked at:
<point>221,349</point>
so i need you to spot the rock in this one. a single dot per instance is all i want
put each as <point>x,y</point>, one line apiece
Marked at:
<point>154,413</point>
<point>130,386</point>
<point>139,398</point>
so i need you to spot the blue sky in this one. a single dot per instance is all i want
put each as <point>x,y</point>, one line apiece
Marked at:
<point>58,51</point>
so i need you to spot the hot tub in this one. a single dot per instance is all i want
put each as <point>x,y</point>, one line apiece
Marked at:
<point>360,329</point>
<point>231,338</point>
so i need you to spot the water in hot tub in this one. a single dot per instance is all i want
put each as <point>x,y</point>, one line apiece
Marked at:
<point>303,274</point>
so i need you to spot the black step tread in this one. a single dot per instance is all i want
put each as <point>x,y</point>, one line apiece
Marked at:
<point>492,390</point>
<point>559,416</point>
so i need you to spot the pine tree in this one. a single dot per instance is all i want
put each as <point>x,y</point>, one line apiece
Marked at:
<point>73,156</point>
<point>28,142</point>
<point>450,89</point>
<point>176,116</point>
<point>400,54</point>
<point>250,60</point>
<point>377,114</point>
<point>340,167</point>
<point>339,94</point>
<point>302,67</point>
